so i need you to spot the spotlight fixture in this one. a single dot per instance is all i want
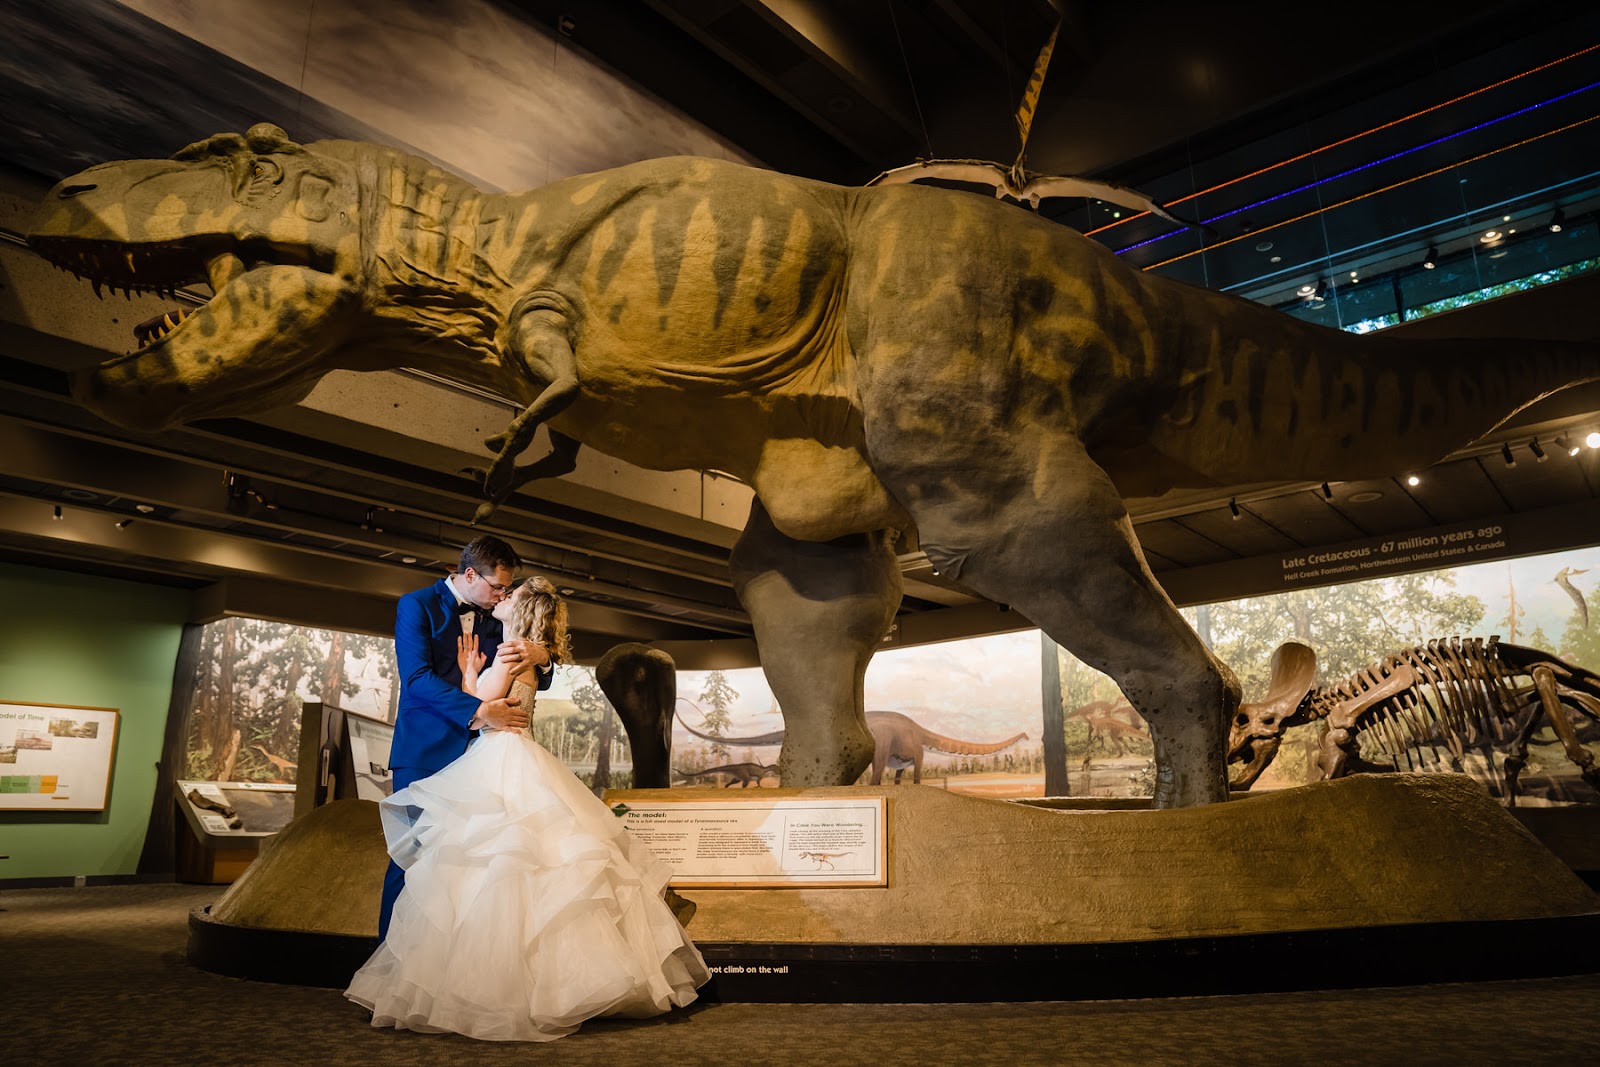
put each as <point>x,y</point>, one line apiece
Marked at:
<point>1413,481</point>
<point>1490,237</point>
<point>1538,453</point>
<point>1323,286</point>
<point>1564,442</point>
<point>408,559</point>
<point>1327,493</point>
<point>1431,259</point>
<point>1593,440</point>
<point>1233,506</point>
<point>144,509</point>
<point>57,515</point>
<point>1558,220</point>
<point>1306,290</point>
<point>1505,454</point>
<point>124,524</point>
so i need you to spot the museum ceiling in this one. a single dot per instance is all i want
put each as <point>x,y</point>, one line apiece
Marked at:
<point>356,492</point>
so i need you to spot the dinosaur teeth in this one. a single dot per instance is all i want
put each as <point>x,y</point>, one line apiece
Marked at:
<point>155,329</point>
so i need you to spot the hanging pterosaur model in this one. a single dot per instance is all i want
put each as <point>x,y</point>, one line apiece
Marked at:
<point>1018,183</point>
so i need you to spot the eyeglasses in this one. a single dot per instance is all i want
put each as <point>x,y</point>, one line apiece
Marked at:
<point>501,590</point>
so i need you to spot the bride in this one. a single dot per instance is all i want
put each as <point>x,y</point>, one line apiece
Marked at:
<point>527,907</point>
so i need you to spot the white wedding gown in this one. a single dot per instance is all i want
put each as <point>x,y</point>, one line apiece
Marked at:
<point>527,907</point>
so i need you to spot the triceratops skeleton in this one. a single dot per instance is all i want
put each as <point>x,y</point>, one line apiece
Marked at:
<point>1451,695</point>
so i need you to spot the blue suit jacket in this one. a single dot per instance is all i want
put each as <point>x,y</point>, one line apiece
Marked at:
<point>430,728</point>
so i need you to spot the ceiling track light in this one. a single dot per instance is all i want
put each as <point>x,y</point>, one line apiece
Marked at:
<point>1564,442</point>
<point>1233,506</point>
<point>1558,220</point>
<point>1430,259</point>
<point>1505,454</point>
<point>57,515</point>
<point>1538,452</point>
<point>1413,481</point>
<point>1327,493</point>
<point>124,524</point>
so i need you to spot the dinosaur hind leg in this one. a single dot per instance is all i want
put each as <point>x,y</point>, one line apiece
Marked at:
<point>1544,682</point>
<point>1033,522</point>
<point>819,610</point>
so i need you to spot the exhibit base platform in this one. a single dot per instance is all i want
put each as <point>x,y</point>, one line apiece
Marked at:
<point>1363,957</point>
<point>1372,880</point>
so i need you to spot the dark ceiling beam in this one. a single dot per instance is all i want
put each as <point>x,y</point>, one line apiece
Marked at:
<point>976,21</point>
<point>657,53</point>
<point>872,67</point>
<point>849,97</point>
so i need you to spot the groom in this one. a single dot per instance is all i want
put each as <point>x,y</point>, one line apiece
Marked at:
<point>435,718</point>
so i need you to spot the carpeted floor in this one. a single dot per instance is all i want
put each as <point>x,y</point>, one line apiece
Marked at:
<point>98,976</point>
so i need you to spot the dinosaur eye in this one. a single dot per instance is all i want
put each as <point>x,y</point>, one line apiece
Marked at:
<point>265,170</point>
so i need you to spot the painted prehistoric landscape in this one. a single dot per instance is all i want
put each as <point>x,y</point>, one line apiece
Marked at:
<point>984,691</point>
<point>975,708</point>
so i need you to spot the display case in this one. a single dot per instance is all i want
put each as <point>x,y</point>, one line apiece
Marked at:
<point>223,825</point>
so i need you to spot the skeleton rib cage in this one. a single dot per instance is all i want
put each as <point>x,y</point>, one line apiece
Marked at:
<point>1448,697</point>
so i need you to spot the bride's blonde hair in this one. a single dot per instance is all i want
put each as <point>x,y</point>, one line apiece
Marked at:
<point>538,614</point>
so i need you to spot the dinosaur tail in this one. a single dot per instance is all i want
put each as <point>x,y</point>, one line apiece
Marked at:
<point>773,738</point>
<point>940,743</point>
<point>1263,396</point>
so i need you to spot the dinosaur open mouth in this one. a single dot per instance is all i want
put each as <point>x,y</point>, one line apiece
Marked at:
<point>160,270</point>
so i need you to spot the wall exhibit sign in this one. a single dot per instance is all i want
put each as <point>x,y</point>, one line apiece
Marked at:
<point>56,757</point>
<point>764,843</point>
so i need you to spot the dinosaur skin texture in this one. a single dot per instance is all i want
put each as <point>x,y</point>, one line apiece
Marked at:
<point>1447,696</point>
<point>868,360</point>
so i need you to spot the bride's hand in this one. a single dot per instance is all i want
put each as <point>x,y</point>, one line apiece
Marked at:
<point>468,658</point>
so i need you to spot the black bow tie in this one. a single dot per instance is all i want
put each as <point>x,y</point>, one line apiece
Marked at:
<point>463,607</point>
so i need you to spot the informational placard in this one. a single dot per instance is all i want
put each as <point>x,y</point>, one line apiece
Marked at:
<point>755,843</point>
<point>370,740</point>
<point>56,757</point>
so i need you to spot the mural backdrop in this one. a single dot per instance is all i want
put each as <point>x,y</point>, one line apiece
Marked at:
<point>977,708</point>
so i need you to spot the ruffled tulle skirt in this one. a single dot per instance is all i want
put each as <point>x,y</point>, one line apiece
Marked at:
<point>527,907</point>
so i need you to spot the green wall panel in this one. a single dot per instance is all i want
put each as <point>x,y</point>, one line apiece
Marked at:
<point>96,642</point>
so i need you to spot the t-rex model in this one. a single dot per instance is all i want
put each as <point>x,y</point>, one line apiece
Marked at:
<point>743,775</point>
<point>1455,694</point>
<point>898,743</point>
<point>866,359</point>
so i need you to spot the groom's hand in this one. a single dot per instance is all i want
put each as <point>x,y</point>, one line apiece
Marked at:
<point>502,714</point>
<point>519,654</point>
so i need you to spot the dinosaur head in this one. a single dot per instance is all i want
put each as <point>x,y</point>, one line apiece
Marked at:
<point>1258,726</point>
<point>272,226</point>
